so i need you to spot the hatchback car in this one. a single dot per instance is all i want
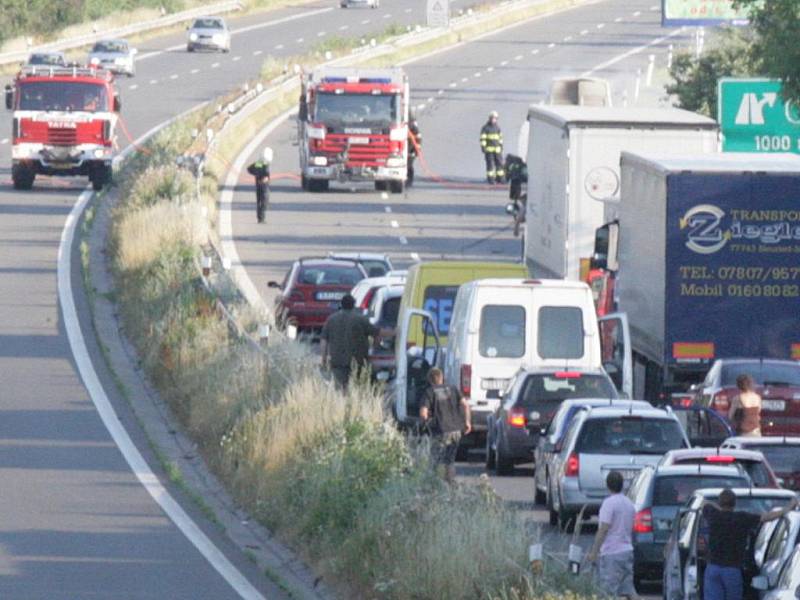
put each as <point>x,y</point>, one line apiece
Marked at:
<point>753,462</point>
<point>551,435</point>
<point>788,587</point>
<point>685,553</point>
<point>657,494</point>
<point>209,33</point>
<point>312,290</point>
<point>365,289</point>
<point>776,549</point>
<point>349,3</point>
<point>114,55</point>
<point>777,381</point>
<point>46,59</point>
<point>782,453</point>
<point>383,310</point>
<point>530,402</point>
<point>375,264</point>
<point>601,440</point>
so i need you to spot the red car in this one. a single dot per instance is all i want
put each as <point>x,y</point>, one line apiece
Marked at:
<point>782,453</point>
<point>312,290</point>
<point>777,381</point>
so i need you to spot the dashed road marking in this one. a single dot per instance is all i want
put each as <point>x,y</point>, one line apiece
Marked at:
<point>414,256</point>
<point>133,87</point>
<point>279,47</point>
<point>535,51</point>
<point>394,224</point>
<point>618,20</point>
<point>439,92</point>
<point>236,58</point>
<point>568,38</point>
<point>344,27</point>
<point>489,69</point>
<point>322,34</point>
<point>300,40</point>
<point>153,81</point>
<point>403,240</point>
<point>214,65</point>
<point>476,75</point>
<point>464,79</point>
<point>655,7</point>
<point>584,31</point>
<point>4,141</point>
<point>504,63</point>
<point>408,10</point>
<point>637,13</point>
<point>365,22</point>
<point>194,71</point>
<point>429,100</point>
<point>453,84</point>
<point>551,45</point>
<point>518,57</point>
<point>387,16</point>
<point>388,209</point>
<point>257,52</point>
<point>173,76</point>
<point>601,25</point>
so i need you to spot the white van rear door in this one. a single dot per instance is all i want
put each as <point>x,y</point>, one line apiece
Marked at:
<point>430,352</point>
<point>615,350</point>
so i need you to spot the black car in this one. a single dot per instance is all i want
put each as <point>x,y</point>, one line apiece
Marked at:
<point>532,398</point>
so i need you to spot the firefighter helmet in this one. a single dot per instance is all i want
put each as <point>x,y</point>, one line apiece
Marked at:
<point>493,114</point>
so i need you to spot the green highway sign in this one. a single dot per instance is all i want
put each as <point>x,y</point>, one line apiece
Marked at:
<point>753,117</point>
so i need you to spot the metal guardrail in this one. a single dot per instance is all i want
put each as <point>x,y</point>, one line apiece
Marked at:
<point>84,40</point>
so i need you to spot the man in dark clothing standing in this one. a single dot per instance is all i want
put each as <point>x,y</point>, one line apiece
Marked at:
<point>414,145</point>
<point>729,531</point>
<point>345,341</point>
<point>260,170</point>
<point>492,148</point>
<point>448,415</point>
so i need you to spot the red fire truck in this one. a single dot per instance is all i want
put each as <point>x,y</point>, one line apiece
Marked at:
<point>354,127</point>
<point>64,123</point>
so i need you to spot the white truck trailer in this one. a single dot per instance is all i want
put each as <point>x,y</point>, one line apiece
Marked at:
<point>573,171</point>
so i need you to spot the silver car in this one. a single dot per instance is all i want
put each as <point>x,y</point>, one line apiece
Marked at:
<point>601,440</point>
<point>774,549</point>
<point>788,587</point>
<point>349,3</point>
<point>116,56</point>
<point>209,33</point>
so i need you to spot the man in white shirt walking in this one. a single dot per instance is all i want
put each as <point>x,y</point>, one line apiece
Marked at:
<point>613,542</point>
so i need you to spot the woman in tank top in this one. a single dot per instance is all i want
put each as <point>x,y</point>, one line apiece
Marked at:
<point>745,410</point>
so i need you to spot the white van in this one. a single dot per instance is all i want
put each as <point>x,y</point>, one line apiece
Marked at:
<point>499,326</point>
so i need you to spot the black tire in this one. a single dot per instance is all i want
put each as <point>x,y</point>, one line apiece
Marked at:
<point>304,182</point>
<point>489,453</point>
<point>504,465</point>
<point>539,497</point>
<point>396,187</point>
<point>324,185</point>
<point>22,177</point>
<point>462,453</point>
<point>189,48</point>
<point>552,514</point>
<point>381,186</point>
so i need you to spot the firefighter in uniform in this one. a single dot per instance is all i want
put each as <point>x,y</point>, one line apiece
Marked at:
<point>414,145</point>
<point>260,170</point>
<point>492,148</point>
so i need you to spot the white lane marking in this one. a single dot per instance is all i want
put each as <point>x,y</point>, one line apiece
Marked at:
<point>504,63</point>
<point>618,20</point>
<point>637,13</point>
<point>429,100</point>
<point>194,71</point>
<point>414,256</point>
<point>387,16</point>
<point>551,45</point>
<point>403,240</point>
<point>601,25</point>
<point>236,58</point>
<point>4,141</point>
<point>133,87</point>
<point>439,92</point>
<point>388,209</point>
<point>173,76</point>
<point>280,21</point>
<point>322,34</point>
<point>408,10</point>
<point>489,69</point>
<point>300,40</point>
<point>111,420</point>
<point>518,57</point>
<point>153,81</point>
<point>630,53</point>
<point>257,52</point>
<point>453,84</point>
<point>365,22</point>
<point>655,7</point>
<point>344,27</point>
<point>464,79</point>
<point>279,47</point>
<point>394,224</point>
<point>476,75</point>
<point>535,51</point>
<point>568,38</point>
<point>214,65</point>
<point>584,31</point>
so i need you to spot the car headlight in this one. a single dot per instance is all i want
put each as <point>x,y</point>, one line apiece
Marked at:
<point>395,161</point>
<point>119,61</point>
<point>98,153</point>
<point>193,37</point>
<point>218,38</point>
<point>319,161</point>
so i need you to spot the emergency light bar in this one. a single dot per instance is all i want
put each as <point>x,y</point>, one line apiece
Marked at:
<point>381,80</point>
<point>55,71</point>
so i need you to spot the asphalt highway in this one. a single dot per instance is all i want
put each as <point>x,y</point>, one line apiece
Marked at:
<point>75,521</point>
<point>450,213</point>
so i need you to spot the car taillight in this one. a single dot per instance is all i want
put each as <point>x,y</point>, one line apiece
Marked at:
<point>367,297</point>
<point>466,380</point>
<point>516,418</point>
<point>721,401</point>
<point>573,467</point>
<point>643,521</point>
<point>717,458</point>
<point>567,375</point>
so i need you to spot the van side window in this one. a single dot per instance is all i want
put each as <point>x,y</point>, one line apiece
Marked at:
<point>560,332</point>
<point>502,332</point>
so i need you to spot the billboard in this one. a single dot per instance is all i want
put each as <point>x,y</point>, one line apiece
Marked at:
<point>677,13</point>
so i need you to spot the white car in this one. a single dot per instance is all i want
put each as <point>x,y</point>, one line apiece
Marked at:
<point>116,56</point>
<point>209,33</point>
<point>365,3</point>
<point>788,587</point>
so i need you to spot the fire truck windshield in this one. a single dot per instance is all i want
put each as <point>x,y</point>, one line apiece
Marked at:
<point>62,96</point>
<point>357,109</point>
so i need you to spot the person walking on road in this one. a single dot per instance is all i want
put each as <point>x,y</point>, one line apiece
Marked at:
<point>414,146</point>
<point>447,415</point>
<point>260,170</point>
<point>614,541</point>
<point>729,531</point>
<point>492,148</point>
<point>745,410</point>
<point>345,342</point>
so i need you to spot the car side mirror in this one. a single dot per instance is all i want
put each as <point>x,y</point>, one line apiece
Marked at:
<point>274,284</point>
<point>117,104</point>
<point>9,97</point>
<point>760,583</point>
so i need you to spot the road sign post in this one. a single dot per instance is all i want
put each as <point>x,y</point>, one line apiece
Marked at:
<point>438,13</point>
<point>754,117</point>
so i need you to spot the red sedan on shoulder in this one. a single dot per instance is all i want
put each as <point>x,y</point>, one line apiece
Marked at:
<point>777,382</point>
<point>311,291</point>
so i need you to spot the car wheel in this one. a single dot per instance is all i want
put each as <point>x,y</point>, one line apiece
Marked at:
<point>552,514</point>
<point>189,48</point>
<point>22,177</point>
<point>638,580</point>
<point>566,520</point>
<point>503,464</point>
<point>539,497</point>
<point>489,452</point>
<point>396,187</point>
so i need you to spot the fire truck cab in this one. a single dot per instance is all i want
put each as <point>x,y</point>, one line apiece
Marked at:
<point>353,126</point>
<point>64,123</point>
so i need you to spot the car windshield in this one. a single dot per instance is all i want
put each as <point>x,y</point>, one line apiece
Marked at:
<point>63,96</point>
<point>766,373</point>
<point>110,47</point>
<point>207,24</point>
<point>675,490</point>
<point>330,275</point>
<point>630,435</point>
<point>46,59</point>
<point>357,109</point>
<point>554,388</point>
<point>782,458</point>
<point>757,470</point>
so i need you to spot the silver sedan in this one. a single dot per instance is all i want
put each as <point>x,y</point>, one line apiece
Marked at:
<point>209,33</point>
<point>116,56</point>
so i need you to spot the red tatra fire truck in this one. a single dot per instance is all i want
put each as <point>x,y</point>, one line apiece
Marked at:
<point>64,123</point>
<point>354,127</point>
